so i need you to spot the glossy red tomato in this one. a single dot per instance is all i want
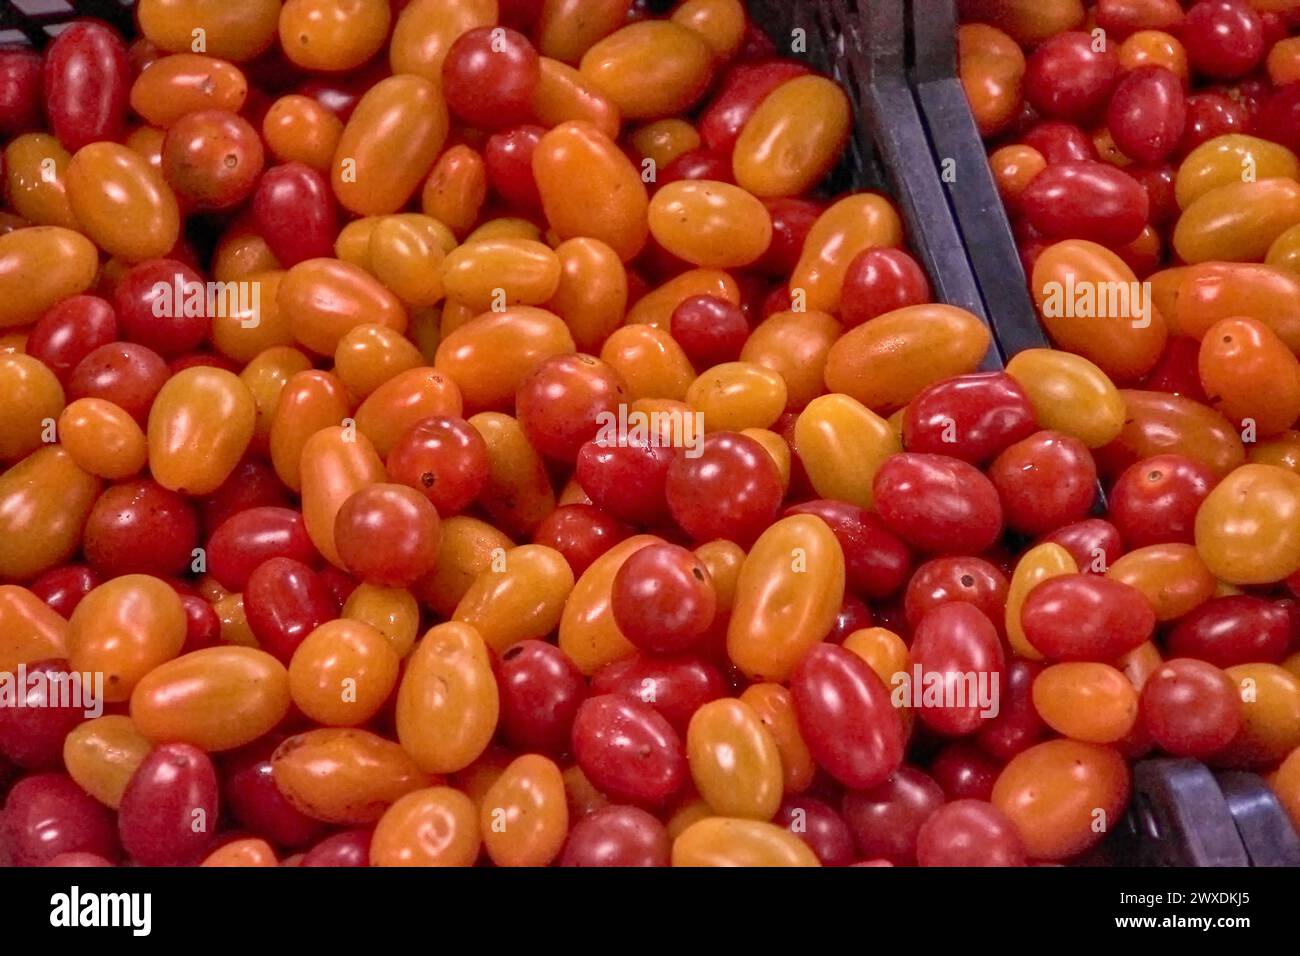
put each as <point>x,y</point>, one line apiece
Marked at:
<point>163,305</point>
<point>580,532</point>
<point>295,213</point>
<point>1234,629</point>
<point>140,527</point>
<point>938,504</point>
<point>1147,114</point>
<point>168,815</point>
<point>46,814</point>
<point>87,79</point>
<point>969,580</point>
<point>663,599</point>
<point>969,833</point>
<point>886,819</point>
<point>956,654</point>
<point>1191,708</point>
<point>846,717</point>
<point>70,331</point>
<point>1086,200</point>
<point>1155,500</point>
<point>629,479</point>
<point>489,76</point>
<point>628,750</point>
<point>443,457</point>
<point>820,826</point>
<point>541,690</point>
<point>674,686</point>
<point>1044,481</point>
<point>964,772</point>
<point>710,330</point>
<point>285,600</point>
<point>254,535</point>
<point>1068,78</point>
<point>880,281</point>
<point>731,489</point>
<point>1017,726</point>
<point>1224,39</point>
<point>972,417</point>
<point>35,718</point>
<point>1084,617</point>
<point>617,836</point>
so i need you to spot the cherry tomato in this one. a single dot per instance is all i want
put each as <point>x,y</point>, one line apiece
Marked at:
<point>1083,617</point>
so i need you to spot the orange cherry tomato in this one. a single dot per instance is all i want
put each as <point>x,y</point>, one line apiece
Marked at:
<point>325,299</point>
<point>793,139</point>
<point>518,492</point>
<point>734,760</point>
<point>124,629</point>
<point>1250,375</point>
<point>710,223</point>
<point>1063,796</point>
<point>297,129</point>
<point>842,444</point>
<point>1237,222</point>
<point>725,841</point>
<point>406,398</point>
<point>1248,527</point>
<point>344,775</point>
<point>590,188</point>
<point>200,425</point>
<point>102,754</point>
<point>1092,304</point>
<point>524,816</point>
<point>232,31</point>
<point>39,266</point>
<point>36,180</point>
<point>389,145</point>
<point>370,355</point>
<point>1172,577</point>
<point>426,29</point>
<point>789,592</point>
<point>33,402</point>
<point>847,227</point>
<point>467,548</point>
<point>1270,726</point>
<point>885,362</point>
<point>1157,423</point>
<point>517,598</point>
<point>591,296</point>
<point>217,698</point>
<point>447,700</point>
<point>393,612</point>
<point>992,68</point>
<point>455,189</point>
<point>30,630</point>
<point>1094,703</point>
<point>333,34</point>
<point>774,707</point>
<point>564,94</point>
<point>491,355</point>
<point>172,86</point>
<point>342,673</point>
<point>433,827</point>
<point>795,346</point>
<point>650,69</point>
<point>44,502</point>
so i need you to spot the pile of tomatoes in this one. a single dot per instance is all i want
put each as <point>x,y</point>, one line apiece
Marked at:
<point>548,470</point>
